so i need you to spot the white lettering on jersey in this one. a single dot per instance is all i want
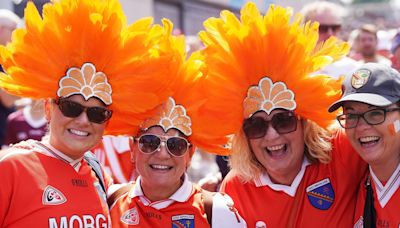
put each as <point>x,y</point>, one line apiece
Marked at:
<point>86,221</point>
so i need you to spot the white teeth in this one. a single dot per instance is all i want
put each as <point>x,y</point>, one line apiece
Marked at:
<point>272,148</point>
<point>160,166</point>
<point>80,133</point>
<point>368,139</point>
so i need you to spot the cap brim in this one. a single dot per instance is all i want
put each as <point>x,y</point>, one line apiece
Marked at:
<point>367,98</point>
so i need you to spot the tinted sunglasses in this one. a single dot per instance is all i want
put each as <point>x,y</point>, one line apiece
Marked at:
<point>150,143</point>
<point>73,109</point>
<point>325,28</point>
<point>283,123</point>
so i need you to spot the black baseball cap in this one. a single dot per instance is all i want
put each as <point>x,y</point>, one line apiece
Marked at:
<point>373,83</point>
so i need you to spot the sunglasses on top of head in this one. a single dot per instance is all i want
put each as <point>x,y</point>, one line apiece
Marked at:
<point>175,145</point>
<point>73,109</point>
<point>283,122</point>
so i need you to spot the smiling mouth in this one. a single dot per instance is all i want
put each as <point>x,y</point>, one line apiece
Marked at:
<point>78,133</point>
<point>369,140</point>
<point>161,167</point>
<point>277,151</point>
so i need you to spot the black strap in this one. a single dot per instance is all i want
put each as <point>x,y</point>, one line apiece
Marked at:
<point>369,209</point>
<point>208,204</point>
<point>96,167</point>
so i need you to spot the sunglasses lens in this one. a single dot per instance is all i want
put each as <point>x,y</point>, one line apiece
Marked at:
<point>70,109</point>
<point>284,122</point>
<point>325,28</point>
<point>98,115</point>
<point>255,127</point>
<point>177,146</point>
<point>149,143</point>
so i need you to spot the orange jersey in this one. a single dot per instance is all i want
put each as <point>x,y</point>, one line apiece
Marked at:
<point>184,209</point>
<point>114,154</point>
<point>43,190</point>
<point>386,201</point>
<point>321,195</point>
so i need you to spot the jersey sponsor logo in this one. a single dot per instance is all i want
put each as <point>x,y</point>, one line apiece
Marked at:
<point>130,217</point>
<point>53,196</point>
<point>321,194</point>
<point>79,183</point>
<point>183,221</point>
<point>152,215</point>
<point>74,221</point>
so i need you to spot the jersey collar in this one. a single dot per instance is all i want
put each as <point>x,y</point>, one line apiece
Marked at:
<point>384,193</point>
<point>181,195</point>
<point>265,180</point>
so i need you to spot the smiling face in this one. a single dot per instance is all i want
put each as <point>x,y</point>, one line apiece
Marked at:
<point>280,154</point>
<point>161,170</point>
<point>375,143</point>
<point>73,136</point>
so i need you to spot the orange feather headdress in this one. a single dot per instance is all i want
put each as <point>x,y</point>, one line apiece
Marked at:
<point>183,110</point>
<point>85,47</point>
<point>264,63</point>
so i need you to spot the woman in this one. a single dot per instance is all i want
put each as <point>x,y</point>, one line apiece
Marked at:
<point>162,195</point>
<point>371,119</point>
<point>287,169</point>
<point>57,58</point>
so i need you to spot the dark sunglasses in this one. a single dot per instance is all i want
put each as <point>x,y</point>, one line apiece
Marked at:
<point>325,28</point>
<point>371,117</point>
<point>150,143</point>
<point>283,123</point>
<point>73,109</point>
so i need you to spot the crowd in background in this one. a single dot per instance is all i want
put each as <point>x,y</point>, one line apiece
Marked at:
<point>319,166</point>
<point>23,118</point>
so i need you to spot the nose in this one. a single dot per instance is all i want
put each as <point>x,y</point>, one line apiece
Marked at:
<point>331,31</point>
<point>271,133</point>
<point>162,151</point>
<point>82,118</point>
<point>362,124</point>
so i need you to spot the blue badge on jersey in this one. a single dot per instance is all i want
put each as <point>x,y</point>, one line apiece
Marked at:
<point>321,194</point>
<point>183,221</point>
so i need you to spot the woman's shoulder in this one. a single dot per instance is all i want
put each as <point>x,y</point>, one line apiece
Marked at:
<point>18,151</point>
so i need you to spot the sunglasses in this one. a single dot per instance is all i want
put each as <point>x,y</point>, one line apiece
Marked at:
<point>149,143</point>
<point>371,117</point>
<point>283,123</point>
<point>325,28</point>
<point>73,109</point>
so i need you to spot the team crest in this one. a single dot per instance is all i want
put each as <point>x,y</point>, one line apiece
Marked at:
<point>130,217</point>
<point>360,78</point>
<point>321,194</point>
<point>52,196</point>
<point>183,221</point>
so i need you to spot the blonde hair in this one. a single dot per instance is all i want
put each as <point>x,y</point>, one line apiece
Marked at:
<point>245,164</point>
<point>311,10</point>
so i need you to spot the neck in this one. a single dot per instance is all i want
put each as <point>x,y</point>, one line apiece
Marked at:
<point>368,59</point>
<point>384,170</point>
<point>284,179</point>
<point>157,193</point>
